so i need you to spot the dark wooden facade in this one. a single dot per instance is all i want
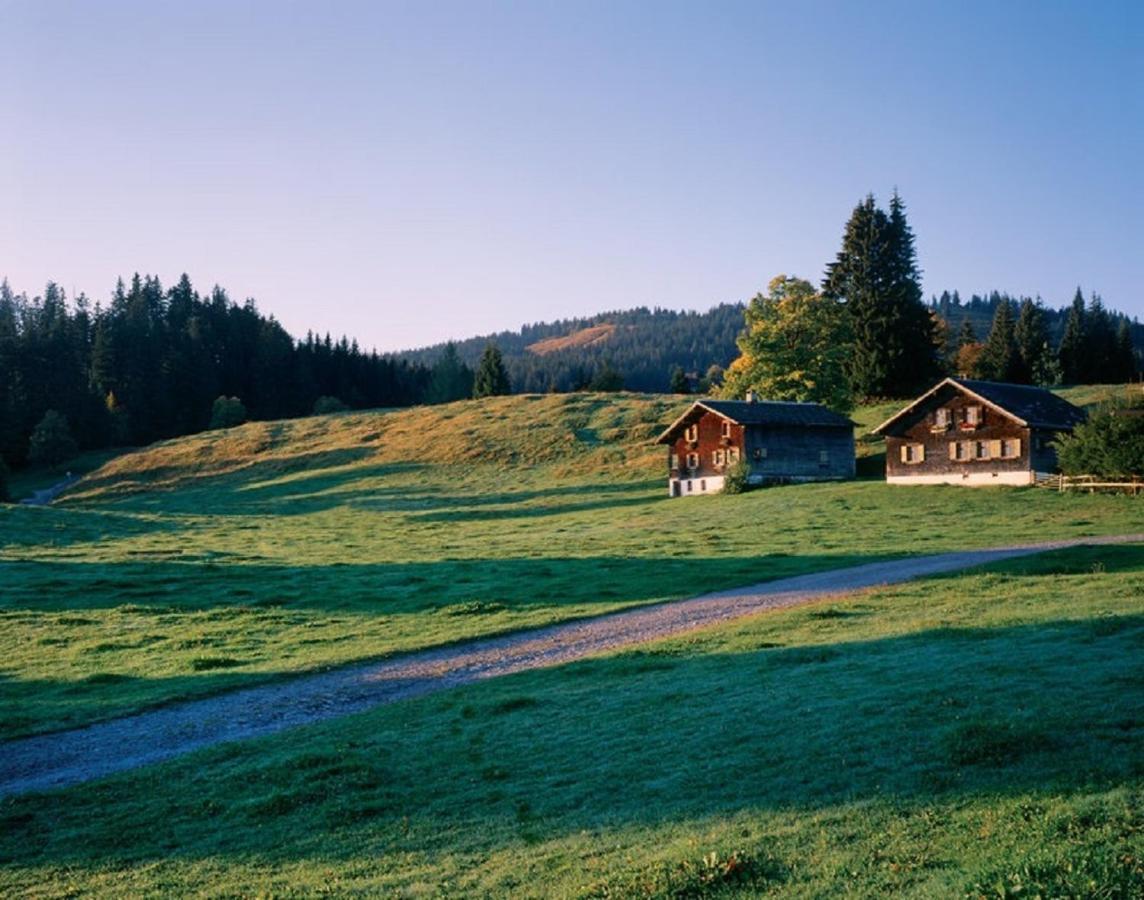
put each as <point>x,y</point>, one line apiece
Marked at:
<point>976,433</point>
<point>780,442</point>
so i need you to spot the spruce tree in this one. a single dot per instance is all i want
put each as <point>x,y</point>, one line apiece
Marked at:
<point>1073,345</point>
<point>451,379</point>
<point>876,274</point>
<point>1124,359</point>
<point>679,382</point>
<point>1000,359</point>
<point>1032,339</point>
<point>966,334</point>
<point>491,379</point>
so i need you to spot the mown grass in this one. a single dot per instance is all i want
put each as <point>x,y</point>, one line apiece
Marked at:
<point>964,736</point>
<point>233,557</point>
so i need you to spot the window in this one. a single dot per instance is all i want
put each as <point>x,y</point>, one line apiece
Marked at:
<point>1010,448</point>
<point>981,450</point>
<point>760,453</point>
<point>973,415</point>
<point>941,418</point>
<point>719,458</point>
<point>733,455</point>
<point>673,462</point>
<point>823,457</point>
<point>693,460</point>
<point>690,486</point>
<point>692,433</point>
<point>959,450</point>
<point>703,484</point>
<point>912,454</point>
<point>726,430</point>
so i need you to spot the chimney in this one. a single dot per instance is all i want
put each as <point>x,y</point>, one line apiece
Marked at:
<point>752,397</point>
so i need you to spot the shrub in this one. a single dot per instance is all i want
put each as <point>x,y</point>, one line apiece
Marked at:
<point>52,440</point>
<point>736,478</point>
<point>227,412</point>
<point>327,404</point>
<point>1110,444</point>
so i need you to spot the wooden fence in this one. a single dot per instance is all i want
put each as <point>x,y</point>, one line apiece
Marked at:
<point>1093,483</point>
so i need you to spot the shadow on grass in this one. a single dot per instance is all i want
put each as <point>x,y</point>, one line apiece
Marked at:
<point>213,581</point>
<point>646,738</point>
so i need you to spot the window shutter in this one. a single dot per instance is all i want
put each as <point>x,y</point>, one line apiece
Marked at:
<point>1016,446</point>
<point>995,449</point>
<point>903,452</point>
<point>953,450</point>
<point>921,452</point>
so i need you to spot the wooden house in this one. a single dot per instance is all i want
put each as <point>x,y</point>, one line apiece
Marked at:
<point>780,441</point>
<point>975,433</point>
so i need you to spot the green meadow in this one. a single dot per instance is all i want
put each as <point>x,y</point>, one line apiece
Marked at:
<point>978,734</point>
<point>238,556</point>
<point>965,736</point>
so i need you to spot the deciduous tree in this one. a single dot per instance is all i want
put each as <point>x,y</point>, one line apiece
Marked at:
<point>795,346</point>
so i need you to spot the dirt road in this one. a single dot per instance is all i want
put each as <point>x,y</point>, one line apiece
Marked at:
<point>69,757</point>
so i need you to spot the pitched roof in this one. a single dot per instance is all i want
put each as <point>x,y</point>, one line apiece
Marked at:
<point>762,412</point>
<point>1033,407</point>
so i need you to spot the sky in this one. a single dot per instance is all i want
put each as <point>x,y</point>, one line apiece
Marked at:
<point>410,172</point>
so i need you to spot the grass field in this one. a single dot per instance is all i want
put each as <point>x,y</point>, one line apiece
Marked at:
<point>964,736</point>
<point>233,557</point>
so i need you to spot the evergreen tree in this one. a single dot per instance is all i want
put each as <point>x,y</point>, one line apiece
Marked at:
<point>966,334</point>
<point>1099,344</point>
<point>876,274</point>
<point>1124,358</point>
<point>607,379</point>
<point>1074,343</point>
<point>491,379</point>
<point>52,442</point>
<point>679,382</point>
<point>451,378</point>
<point>1032,341</point>
<point>1000,359</point>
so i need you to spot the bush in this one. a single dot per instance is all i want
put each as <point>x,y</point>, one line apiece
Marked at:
<point>227,412</point>
<point>52,440</point>
<point>327,404</point>
<point>736,479</point>
<point>1110,445</point>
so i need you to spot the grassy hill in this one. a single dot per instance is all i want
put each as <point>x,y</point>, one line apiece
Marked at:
<point>966,735</point>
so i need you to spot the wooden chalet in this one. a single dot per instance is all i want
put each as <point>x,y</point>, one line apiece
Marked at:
<point>780,441</point>
<point>976,433</point>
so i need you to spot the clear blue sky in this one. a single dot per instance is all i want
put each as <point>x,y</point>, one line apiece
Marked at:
<point>408,172</point>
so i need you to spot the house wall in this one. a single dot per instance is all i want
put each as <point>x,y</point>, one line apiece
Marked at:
<point>795,454</point>
<point>936,464</point>
<point>710,439</point>
<point>792,454</point>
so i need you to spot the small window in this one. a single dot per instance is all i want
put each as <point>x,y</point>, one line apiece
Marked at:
<point>692,433</point>
<point>733,455</point>
<point>823,457</point>
<point>693,460</point>
<point>703,484</point>
<point>673,462</point>
<point>959,450</point>
<point>760,453</point>
<point>718,457</point>
<point>690,486</point>
<point>941,418</point>
<point>973,415</point>
<point>1011,448</point>
<point>726,429</point>
<point>912,454</point>
<point>981,450</point>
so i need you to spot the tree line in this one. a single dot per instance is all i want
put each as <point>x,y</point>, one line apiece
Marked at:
<point>152,363</point>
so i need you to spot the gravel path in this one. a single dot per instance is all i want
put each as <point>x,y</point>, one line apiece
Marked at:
<point>69,757</point>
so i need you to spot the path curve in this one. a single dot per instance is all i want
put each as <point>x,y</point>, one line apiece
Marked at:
<point>59,759</point>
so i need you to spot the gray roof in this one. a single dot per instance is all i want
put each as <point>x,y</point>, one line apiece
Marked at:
<point>775,413</point>
<point>1033,407</point>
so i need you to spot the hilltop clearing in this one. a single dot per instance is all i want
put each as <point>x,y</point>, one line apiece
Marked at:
<point>583,337</point>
